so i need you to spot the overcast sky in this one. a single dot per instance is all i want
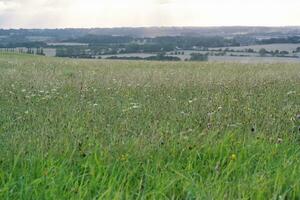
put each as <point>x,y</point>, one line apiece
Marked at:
<point>116,13</point>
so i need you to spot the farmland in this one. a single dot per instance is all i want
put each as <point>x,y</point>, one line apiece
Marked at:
<point>233,44</point>
<point>100,129</point>
<point>220,54</point>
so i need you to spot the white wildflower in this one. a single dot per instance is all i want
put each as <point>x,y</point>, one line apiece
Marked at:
<point>291,92</point>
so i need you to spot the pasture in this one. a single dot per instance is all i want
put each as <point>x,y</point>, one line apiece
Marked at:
<point>90,129</point>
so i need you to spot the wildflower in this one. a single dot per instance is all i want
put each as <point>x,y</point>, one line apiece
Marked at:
<point>220,108</point>
<point>184,113</point>
<point>26,112</point>
<point>124,157</point>
<point>279,140</point>
<point>23,90</point>
<point>291,92</point>
<point>185,137</point>
<point>233,157</point>
<point>209,125</point>
<point>210,114</point>
<point>134,106</point>
<point>218,168</point>
<point>192,100</point>
<point>95,105</point>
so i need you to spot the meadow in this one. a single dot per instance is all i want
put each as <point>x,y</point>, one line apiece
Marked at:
<point>90,129</point>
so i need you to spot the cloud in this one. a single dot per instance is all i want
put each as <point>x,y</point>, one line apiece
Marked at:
<point>164,1</point>
<point>7,5</point>
<point>109,13</point>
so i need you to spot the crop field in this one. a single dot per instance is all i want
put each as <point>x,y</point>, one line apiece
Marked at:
<point>270,47</point>
<point>90,129</point>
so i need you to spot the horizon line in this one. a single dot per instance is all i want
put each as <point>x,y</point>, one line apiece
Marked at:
<point>118,27</point>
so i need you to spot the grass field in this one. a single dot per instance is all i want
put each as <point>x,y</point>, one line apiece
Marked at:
<point>87,129</point>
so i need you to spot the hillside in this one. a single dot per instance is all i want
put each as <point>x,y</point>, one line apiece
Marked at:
<point>90,129</point>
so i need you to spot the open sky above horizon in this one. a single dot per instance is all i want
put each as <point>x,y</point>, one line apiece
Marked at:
<point>136,13</point>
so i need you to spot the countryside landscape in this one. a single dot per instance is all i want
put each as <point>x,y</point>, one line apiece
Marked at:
<point>241,44</point>
<point>149,108</point>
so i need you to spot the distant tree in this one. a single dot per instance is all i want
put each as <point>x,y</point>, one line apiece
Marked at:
<point>262,52</point>
<point>162,54</point>
<point>284,52</point>
<point>30,51</point>
<point>199,57</point>
<point>250,50</point>
<point>40,51</point>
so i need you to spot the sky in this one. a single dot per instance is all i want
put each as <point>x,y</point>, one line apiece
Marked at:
<point>138,13</point>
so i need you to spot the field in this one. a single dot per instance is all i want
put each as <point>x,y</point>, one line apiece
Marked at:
<point>240,57</point>
<point>88,129</point>
<point>269,47</point>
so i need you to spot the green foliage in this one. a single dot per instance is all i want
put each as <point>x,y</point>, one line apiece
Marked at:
<point>262,52</point>
<point>40,51</point>
<point>281,40</point>
<point>78,129</point>
<point>199,57</point>
<point>297,50</point>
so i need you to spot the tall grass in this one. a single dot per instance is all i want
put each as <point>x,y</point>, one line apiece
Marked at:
<point>80,129</point>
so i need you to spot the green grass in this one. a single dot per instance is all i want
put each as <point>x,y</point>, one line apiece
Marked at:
<point>84,129</point>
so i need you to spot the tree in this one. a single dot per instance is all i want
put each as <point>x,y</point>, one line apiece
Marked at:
<point>199,57</point>
<point>40,51</point>
<point>262,52</point>
<point>30,51</point>
<point>284,52</point>
<point>250,50</point>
